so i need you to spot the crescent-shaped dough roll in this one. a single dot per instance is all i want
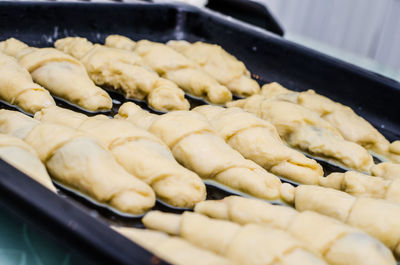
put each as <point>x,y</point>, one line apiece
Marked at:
<point>353,127</point>
<point>172,249</point>
<point>361,185</point>
<point>257,140</point>
<point>338,243</point>
<point>249,244</point>
<point>123,71</point>
<point>224,67</point>
<point>379,218</point>
<point>304,129</point>
<point>80,162</point>
<point>61,74</point>
<point>137,151</point>
<point>386,170</point>
<point>18,88</point>
<point>196,146</point>
<point>20,155</point>
<point>173,66</point>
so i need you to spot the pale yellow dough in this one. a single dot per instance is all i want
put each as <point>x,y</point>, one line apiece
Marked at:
<point>18,88</point>
<point>352,126</point>
<point>377,217</point>
<point>139,152</point>
<point>250,244</point>
<point>197,147</point>
<point>387,170</point>
<point>20,155</point>
<point>123,71</point>
<point>80,162</point>
<point>258,140</point>
<point>338,243</point>
<point>361,185</point>
<point>173,66</point>
<point>224,67</point>
<point>172,249</point>
<point>61,74</point>
<point>304,129</point>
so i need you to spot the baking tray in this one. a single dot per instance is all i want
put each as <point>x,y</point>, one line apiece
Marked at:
<point>269,57</point>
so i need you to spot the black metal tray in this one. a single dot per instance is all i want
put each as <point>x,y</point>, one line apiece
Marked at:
<point>268,56</point>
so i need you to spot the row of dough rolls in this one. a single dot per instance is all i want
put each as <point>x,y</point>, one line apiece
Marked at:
<point>249,244</point>
<point>79,161</point>
<point>124,71</point>
<point>352,126</point>
<point>196,146</point>
<point>174,66</point>
<point>59,73</point>
<point>377,217</point>
<point>139,152</point>
<point>333,240</point>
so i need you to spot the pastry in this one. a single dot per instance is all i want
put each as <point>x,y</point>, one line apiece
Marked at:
<point>172,249</point>
<point>353,127</point>
<point>305,130</point>
<point>18,88</point>
<point>257,140</point>
<point>137,151</point>
<point>386,170</point>
<point>224,67</point>
<point>80,162</point>
<point>196,146</point>
<point>379,218</point>
<point>361,185</point>
<point>21,156</point>
<point>173,66</point>
<point>123,71</point>
<point>337,243</point>
<point>250,244</point>
<point>61,74</point>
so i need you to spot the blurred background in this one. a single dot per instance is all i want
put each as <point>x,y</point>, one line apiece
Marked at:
<point>365,32</point>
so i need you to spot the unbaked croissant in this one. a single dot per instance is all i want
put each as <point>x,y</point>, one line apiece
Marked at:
<point>377,217</point>
<point>338,243</point>
<point>141,153</point>
<point>361,185</point>
<point>257,140</point>
<point>224,67</point>
<point>386,170</point>
<point>353,127</point>
<point>172,65</point>
<point>80,162</point>
<point>123,71</point>
<point>250,244</point>
<point>196,146</point>
<point>170,248</point>
<point>18,88</point>
<point>61,74</point>
<point>20,155</point>
<point>304,129</point>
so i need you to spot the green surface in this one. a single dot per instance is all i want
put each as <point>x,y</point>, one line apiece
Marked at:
<point>23,244</point>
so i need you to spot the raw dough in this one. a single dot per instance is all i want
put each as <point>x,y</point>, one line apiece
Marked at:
<point>304,129</point>
<point>20,155</point>
<point>258,140</point>
<point>224,67</point>
<point>172,65</point>
<point>250,244</point>
<point>80,162</point>
<point>196,146</point>
<point>123,71</point>
<point>17,87</point>
<point>61,74</point>
<point>141,153</point>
